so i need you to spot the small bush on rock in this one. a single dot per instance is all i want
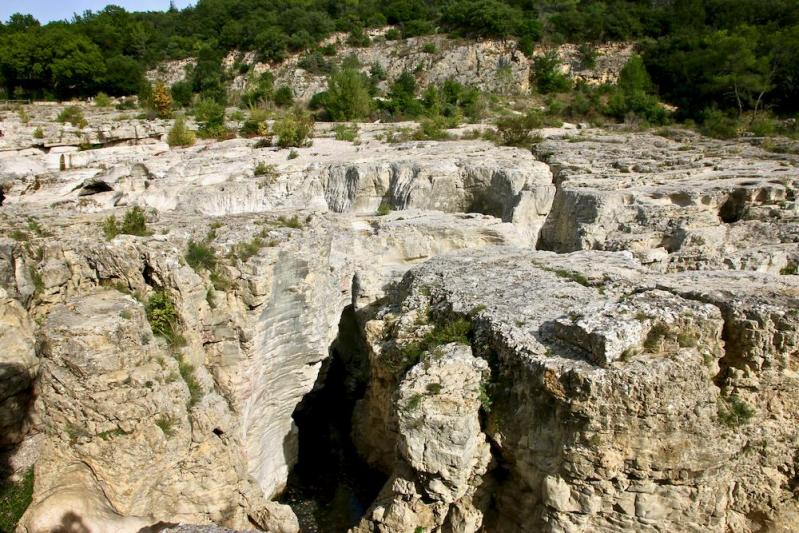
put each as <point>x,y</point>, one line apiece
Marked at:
<point>102,100</point>
<point>200,256</point>
<point>163,316</point>
<point>74,115</point>
<point>162,100</point>
<point>134,223</point>
<point>210,116</point>
<point>294,129</point>
<point>518,130</point>
<point>179,134</point>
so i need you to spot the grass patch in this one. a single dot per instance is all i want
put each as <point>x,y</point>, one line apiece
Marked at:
<point>108,435</point>
<point>414,402</point>
<point>167,425</point>
<point>293,222</point>
<point>576,277</point>
<point>187,373</point>
<point>73,115</point>
<point>346,132</point>
<point>200,256</point>
<point>36,278</point>
<point>734,412</point>
<point>15,497</point>
<point>19,235</point>
<point>249,249</point>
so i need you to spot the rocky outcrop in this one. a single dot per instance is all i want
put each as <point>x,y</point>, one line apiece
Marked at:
<point>613,405</point>
<point>682,204</point>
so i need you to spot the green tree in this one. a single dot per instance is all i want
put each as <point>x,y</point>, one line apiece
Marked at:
<point>348,95</point>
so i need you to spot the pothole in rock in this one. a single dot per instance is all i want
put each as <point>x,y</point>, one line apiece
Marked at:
<point>331,487</point>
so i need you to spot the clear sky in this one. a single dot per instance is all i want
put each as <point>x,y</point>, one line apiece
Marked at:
<point>47,10</point>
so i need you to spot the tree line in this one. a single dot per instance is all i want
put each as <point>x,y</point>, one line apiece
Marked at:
<point>735,55</point>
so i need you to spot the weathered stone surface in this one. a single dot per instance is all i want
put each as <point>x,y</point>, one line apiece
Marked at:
<point>18,367</point>
<point>680,204</point>
<point>612,388</point>
<point>636,442</point>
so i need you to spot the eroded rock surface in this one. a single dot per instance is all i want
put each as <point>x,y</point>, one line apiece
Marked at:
<point>641,378</point>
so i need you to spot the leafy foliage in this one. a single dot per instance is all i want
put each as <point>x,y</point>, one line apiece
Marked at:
<point>740,55</point>
<point>133,223</point>
<point>294,129</point>
<point>163,316</point>
<point>347,96</point>
<point>210,116</point>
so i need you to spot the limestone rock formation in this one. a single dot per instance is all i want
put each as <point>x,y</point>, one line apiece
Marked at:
<point>620,400</point>
<point>636,372</point>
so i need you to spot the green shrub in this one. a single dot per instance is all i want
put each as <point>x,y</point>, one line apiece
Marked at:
<point>315,63</point>
<point>547,75</point>
<point>634,95</point>
<point>293,154</point>
<point>456,330</point>
<point>36,278</point>
<point>261,92</point>
<point>181,92</point>
<point>284,96</point>
<point>133,223</point>
<point>163,316</point>
<point>74,115</point>
<point>432,129</point>
<point>358,38</point>
<point>392,34</point>
<point>249,249</point>
<point>102,100</point>
<point>200,256</point>
<point>23,115</point>
<point>346,132</point>
<point>266,170</point>
<point>518,130</point>
<point>429,48</point>
<point>210,116</point>
<point>293,222</point>
<point>294,129</point>
<point>187,373</point>
<point>38,133</point>
<point>179,134</point>
<point>347,96</point>
<point>383,209</point>
<point>15,497</point>
<point>717,124</point>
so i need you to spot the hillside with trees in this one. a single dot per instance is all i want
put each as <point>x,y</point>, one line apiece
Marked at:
<point>735,56</point>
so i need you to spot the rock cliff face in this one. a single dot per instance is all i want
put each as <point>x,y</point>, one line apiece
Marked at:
<point>613,402</point>
<point>490,65</point>
<point>637,372</point>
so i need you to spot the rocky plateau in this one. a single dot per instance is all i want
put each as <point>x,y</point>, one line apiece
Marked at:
<point>600,334</point>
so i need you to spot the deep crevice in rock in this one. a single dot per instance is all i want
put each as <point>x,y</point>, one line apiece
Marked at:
<point>331,486</point>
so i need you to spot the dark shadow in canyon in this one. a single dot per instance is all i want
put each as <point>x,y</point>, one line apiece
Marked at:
<point>331,487</point>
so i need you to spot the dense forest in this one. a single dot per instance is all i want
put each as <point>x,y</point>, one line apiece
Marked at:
<point>729,54</point>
